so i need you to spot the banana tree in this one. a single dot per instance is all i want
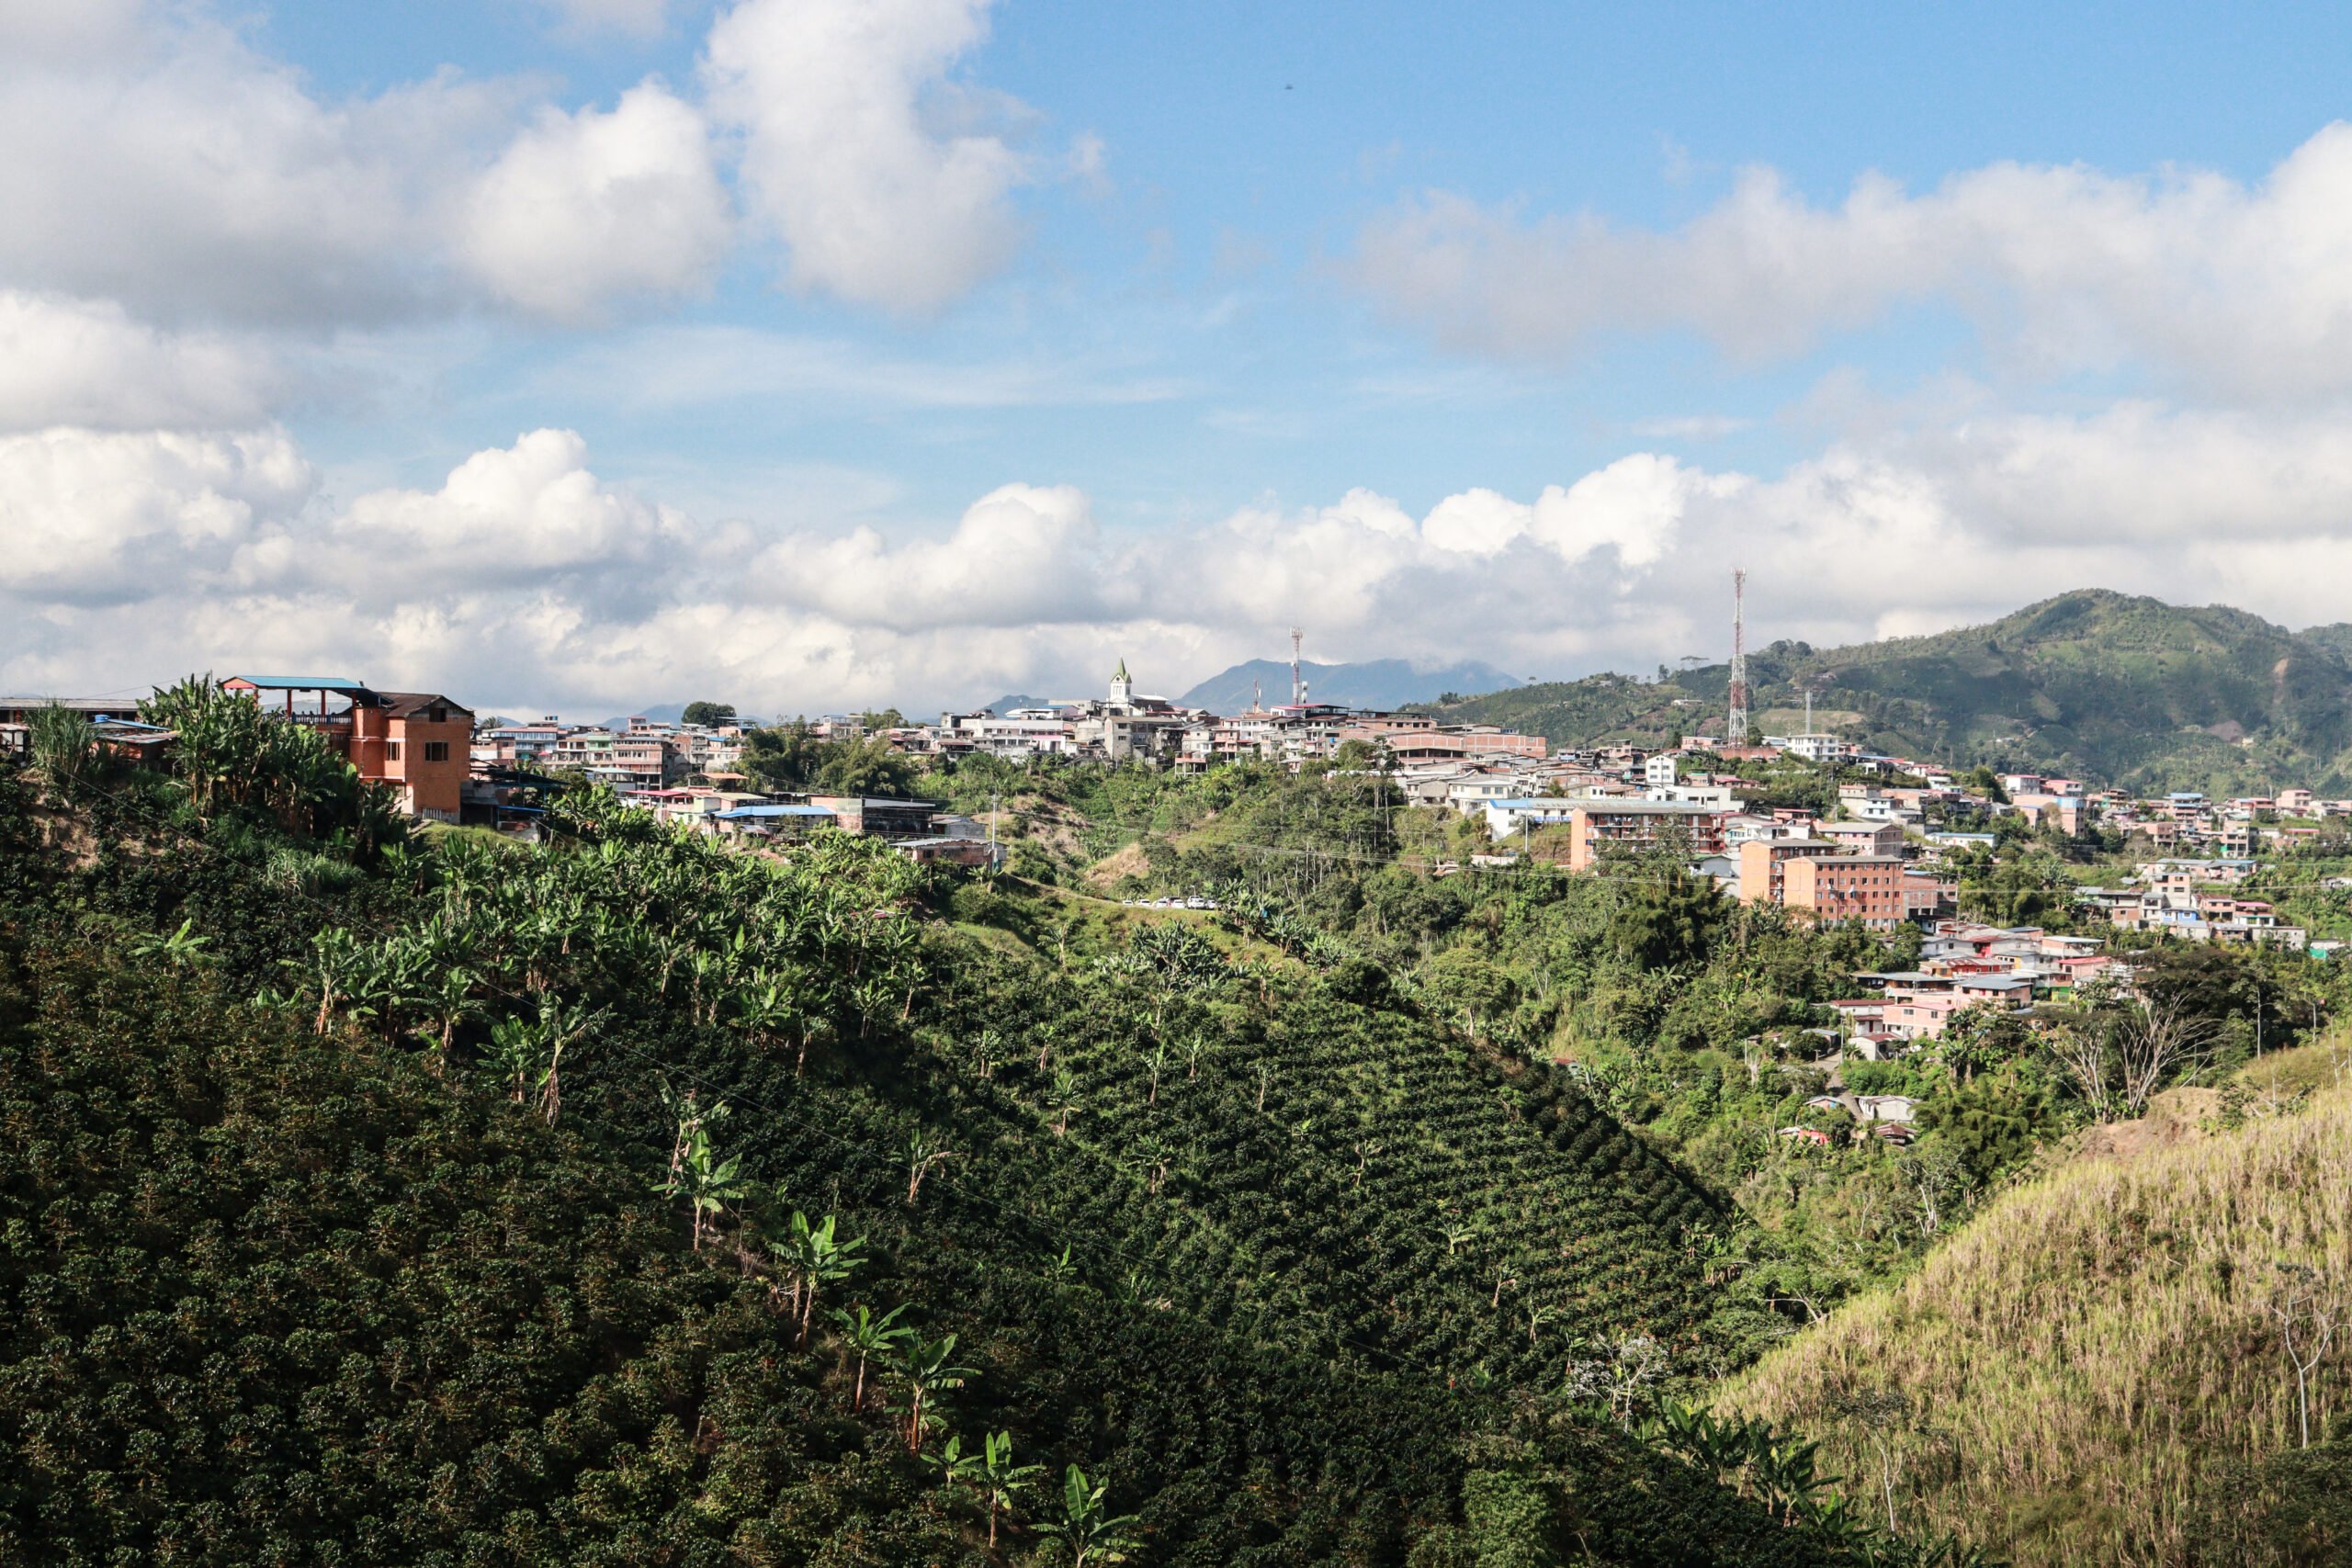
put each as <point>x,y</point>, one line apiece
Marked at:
<point>816,1260</point>
<point>990,1474</point>
<point>180,947</point>
<point>869,1336</point>
<point>1092,1533</point>
<point>924,1155</point>
<point>706,1183</point>
<point>929,1367</point>
<point>1063,1098</point>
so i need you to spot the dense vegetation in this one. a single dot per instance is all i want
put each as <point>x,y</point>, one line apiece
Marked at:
<point>2091,685</point>
<point>630,1200</point>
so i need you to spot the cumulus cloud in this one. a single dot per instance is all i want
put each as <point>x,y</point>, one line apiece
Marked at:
<point>524,577</point>
<point>158,160</point>
<point>884,177</point>
<point>1020,554</point>
<point>172,168</point>
<point>124,520</point>
<point>585,208</point>
<point>2244,287</point>
<point>87,363</point>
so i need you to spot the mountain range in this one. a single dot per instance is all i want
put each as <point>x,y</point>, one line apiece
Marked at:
<point>2114,689</point>
<point>1369,683</point>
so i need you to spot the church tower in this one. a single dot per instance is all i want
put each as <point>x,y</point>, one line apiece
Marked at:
<point>1122,688</point>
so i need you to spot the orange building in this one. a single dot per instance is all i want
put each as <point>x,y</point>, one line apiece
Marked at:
<point>417,743</point>
<point>1597,827</point>
<point>1867,888</point>
<point>1764,863</point>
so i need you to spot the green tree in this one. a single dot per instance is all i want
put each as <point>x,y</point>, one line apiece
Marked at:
<point>929,1368</point>
<point>869,1336</point>
<point>1087,1525</point>
<point>867,767</point>
<point>713,715</point>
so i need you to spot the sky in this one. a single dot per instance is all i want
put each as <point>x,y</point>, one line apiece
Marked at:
<point>579,356</point>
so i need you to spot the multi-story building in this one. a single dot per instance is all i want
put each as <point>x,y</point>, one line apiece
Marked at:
<point>419,744</point>
<point>1596,828</point>
<point>1764,863</point>
<point>1865,888</point>
<point>1866,838</point>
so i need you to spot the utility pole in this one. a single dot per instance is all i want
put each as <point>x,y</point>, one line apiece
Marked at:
<point>1736,720</point>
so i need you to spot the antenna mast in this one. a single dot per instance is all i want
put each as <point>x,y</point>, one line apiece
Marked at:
<point>1735,721</point>
<point>1297,679</point>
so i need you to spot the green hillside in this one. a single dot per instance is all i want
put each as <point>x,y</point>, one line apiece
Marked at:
<point>2094,1369</point>
<point>435,1204</point>
<point>2093,684</point>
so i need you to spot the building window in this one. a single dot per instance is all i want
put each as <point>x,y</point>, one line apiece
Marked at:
<point>436,750</point>
<point>391,750</point>
<point>437,716</point>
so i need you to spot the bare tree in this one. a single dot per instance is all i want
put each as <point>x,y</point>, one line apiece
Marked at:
<point>2117,1061</point>
<point>2081,1053</point>
<point>1937,1177</point>
<point>2154,1040</point>
<point>2309,1309</point>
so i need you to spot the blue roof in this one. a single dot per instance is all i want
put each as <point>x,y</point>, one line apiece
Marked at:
<point>302,683</point>
<point>774,811</point>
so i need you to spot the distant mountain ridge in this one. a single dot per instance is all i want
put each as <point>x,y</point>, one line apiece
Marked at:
<point>2094,685</point>
<point>1368,684</point>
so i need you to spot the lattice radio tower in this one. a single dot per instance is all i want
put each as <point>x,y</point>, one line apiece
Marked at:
<point>1736,722</point>
<point>1297,676</point>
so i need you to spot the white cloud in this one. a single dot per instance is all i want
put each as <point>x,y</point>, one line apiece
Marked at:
<point>156,159</point>
<point>1022,554</point>
<point>170,167</point>
<point>2244,287</point>
<point>581,209</point>
<point>876,200</point>
<point>98,519</point>
<point>525,578</point>
<point>512,515</point>
<point>86,363</point>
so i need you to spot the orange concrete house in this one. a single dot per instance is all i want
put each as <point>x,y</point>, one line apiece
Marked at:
<point>418,743</point>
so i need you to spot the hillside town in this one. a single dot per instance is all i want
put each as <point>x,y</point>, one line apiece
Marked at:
<point>1879,859</point>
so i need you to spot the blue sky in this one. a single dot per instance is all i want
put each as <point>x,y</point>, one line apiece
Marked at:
<point>596,353</point>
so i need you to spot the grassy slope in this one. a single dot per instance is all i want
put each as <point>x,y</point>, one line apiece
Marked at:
<point>2093,1342</point>
<point>2123,690</point>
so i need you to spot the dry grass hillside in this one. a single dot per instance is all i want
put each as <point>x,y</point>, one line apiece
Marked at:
<point>2060,1381</point>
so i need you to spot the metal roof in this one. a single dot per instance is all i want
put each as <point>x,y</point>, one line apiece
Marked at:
<point>301,682</point>
<point>742,811</point>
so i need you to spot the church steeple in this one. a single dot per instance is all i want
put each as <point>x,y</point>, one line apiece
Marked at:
<point>1122,687</point>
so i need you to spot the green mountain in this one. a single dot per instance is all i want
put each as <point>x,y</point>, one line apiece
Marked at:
<point>2093,684</point>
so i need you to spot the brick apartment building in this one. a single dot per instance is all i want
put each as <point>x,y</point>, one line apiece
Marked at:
<point>1595,827</point>
<point>1867,888</point>
<point>1764,865</point>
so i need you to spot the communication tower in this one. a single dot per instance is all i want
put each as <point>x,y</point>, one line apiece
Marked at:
<point>1297,677</point>
<point>1735,721</point>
